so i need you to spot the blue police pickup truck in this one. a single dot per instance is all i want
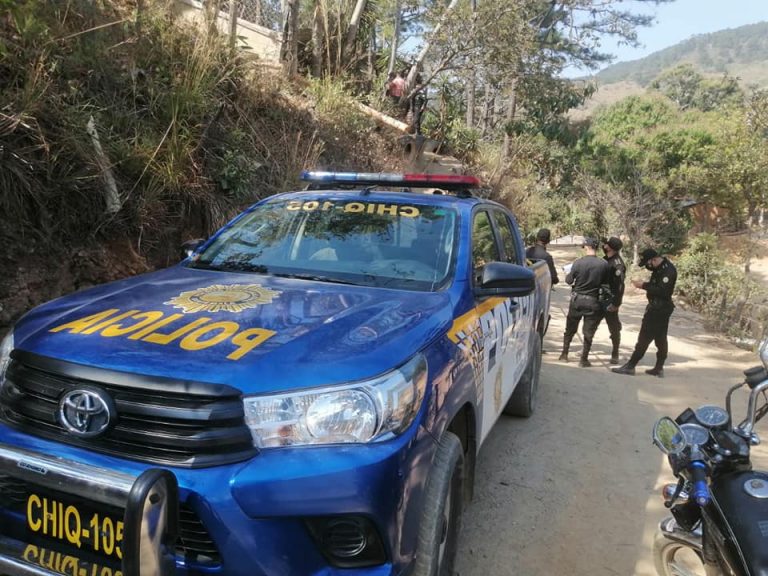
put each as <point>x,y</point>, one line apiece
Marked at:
<point>304,394</point>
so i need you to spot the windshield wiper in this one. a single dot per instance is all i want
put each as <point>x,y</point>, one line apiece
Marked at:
<point>313,277</point>
<point>232,267</point>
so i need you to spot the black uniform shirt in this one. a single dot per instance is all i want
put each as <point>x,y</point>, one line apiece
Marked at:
<point>616,280</point>
<point>538,252</point>
<point>662,282</point>
<point>586,275</point>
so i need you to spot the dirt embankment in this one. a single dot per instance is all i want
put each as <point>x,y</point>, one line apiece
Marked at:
<point>189,134</point>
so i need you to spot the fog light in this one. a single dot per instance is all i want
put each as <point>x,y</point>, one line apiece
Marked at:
<point>347,541</point>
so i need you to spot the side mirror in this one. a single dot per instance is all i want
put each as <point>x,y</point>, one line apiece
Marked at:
<point>151,525</point>
<point>668,436</point>
<point>504,279</point>
<point>188,248</point>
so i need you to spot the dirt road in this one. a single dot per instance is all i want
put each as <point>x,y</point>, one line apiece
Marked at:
<point>575,489</point>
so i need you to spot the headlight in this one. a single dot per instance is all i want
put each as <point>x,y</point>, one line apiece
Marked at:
<point>356,413</point>
<point>6,345</point>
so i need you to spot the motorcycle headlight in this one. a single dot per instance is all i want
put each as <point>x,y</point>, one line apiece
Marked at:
<point>6,346</point>
<point>355,413</point>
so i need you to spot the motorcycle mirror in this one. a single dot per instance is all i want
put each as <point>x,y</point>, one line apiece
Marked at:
<point>668,436</point>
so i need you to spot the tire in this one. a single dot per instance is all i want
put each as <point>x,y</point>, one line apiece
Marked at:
<point>672,558</point>
<point>442,512</point>
<point>523,400</point>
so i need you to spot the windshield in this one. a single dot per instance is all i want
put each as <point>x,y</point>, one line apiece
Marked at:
<point>394,245</point>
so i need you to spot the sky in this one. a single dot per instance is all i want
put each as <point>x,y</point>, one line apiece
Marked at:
<point>681,19</point>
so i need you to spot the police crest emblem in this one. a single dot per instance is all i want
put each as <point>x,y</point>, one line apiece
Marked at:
<point>223,298</point>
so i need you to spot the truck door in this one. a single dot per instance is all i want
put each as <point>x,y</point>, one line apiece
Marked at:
<point>522,310</point>
<point>499,349</point>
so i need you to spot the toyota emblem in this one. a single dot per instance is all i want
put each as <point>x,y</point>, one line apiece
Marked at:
<point>85,413</point>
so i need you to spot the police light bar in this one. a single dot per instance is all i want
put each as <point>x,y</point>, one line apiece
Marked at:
<point>444,181</point>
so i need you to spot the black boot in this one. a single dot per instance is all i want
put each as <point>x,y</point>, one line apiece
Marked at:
<point>628,369</point>
<point>585,363</point>
<point>657,371</point>
<point>564,354</point>
<point>615,353</point>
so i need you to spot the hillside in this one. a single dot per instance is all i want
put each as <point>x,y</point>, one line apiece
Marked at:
<point>740,52</point>
<point>121,142</point>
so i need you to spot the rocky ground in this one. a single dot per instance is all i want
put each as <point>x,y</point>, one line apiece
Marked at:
<point>575,489</point>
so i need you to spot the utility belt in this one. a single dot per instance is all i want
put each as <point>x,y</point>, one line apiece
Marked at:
<point>583,304</point>
<point>578,295</point>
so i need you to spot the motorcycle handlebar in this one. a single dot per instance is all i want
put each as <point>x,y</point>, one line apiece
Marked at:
<point>699,477</point>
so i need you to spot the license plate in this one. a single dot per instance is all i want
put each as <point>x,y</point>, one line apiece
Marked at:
<point>75,524</point>
<point>65,564</point>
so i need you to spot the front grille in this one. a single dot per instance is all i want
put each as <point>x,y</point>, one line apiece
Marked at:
<point>186,424</point>
<point>194,545</point>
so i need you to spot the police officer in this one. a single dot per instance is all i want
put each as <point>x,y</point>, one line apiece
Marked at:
<point>611,249</point>
<point>539,252</point>
<point>585,277</point>
<point>656,319</point>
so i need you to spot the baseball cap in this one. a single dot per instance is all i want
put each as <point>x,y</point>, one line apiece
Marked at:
<point>591,242</point>
<point>614,243</point>
<point>543,235</point>
<point>646,255</point>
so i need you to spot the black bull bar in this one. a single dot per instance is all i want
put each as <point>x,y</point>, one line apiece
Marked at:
<point>150,503</point>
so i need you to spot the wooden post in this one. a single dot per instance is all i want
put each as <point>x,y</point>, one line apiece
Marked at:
<point>232,24</point>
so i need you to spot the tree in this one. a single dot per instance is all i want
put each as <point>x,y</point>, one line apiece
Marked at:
<point>289,49</point>
<point>689,89</point>
<point>354,24</point>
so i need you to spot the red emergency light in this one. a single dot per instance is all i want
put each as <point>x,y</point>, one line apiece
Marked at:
<point>444,181</point>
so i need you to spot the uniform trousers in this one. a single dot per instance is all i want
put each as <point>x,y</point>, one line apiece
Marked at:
<point>614,327</point>
<point>653,329</point>
<point>588,309</point>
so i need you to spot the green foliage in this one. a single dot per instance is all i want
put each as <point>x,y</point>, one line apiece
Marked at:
<point>332,98</point>
<point>689,89</point>
<point>730,300</point>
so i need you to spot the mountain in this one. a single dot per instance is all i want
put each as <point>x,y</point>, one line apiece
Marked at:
<point>740,52</point>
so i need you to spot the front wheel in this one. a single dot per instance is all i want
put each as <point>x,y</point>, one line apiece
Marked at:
<point>443,505</point>
<point>675,559</point>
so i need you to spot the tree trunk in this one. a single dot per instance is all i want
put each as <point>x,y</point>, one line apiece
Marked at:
<point>470,98</point>
<point>472,76</point>
<point>354,25</point>
<point>372,56</point>
<point>417,64</point>
<point>510,115</point>
<point>395,38</point>
<point>317,41</point>
<point>290,46</point>
<point>486,110</point>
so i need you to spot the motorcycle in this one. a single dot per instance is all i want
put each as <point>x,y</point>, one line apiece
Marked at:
<point>719,506</point>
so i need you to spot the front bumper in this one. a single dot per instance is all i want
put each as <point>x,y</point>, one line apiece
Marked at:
<point>256,512</point>
<point>149,503</point>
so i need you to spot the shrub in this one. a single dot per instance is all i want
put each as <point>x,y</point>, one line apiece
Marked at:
<point>730,300</point>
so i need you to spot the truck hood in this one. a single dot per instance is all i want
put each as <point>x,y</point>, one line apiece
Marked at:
<point>254,332</point>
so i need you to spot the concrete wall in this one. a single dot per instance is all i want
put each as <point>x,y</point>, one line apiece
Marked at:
<point>261,41</point>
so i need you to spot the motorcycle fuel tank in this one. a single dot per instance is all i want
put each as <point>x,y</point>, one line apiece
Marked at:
<point>741,501</point>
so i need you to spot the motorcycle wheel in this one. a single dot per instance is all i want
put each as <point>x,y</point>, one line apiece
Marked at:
<point>675,559</point>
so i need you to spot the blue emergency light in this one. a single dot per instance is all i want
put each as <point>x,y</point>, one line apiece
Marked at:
<point>444,181</point>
